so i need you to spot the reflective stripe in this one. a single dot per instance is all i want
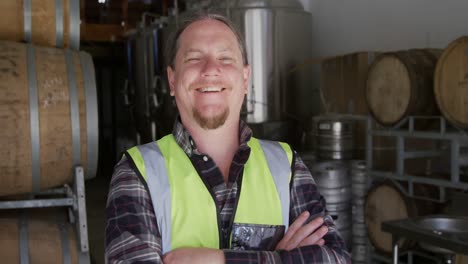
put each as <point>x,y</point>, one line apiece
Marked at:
<point>158,184</point>
<point>59,23</point>
<point>276,156</point>
<point>34,119</point>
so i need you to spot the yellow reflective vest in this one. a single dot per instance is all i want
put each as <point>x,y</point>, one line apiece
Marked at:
<point>186,211</point>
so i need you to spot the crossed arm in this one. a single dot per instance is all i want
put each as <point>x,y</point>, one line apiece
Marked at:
<point>298,235</point>
<point>132,235</point>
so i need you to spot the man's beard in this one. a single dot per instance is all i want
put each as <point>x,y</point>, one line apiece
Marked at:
<point>213,122</point>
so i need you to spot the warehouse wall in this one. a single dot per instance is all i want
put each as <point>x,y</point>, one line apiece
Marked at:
<point>343,26</point>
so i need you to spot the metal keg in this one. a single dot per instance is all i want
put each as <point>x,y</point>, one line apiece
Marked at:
<point>360,248</point>
<point>334,184</point>
<point>333,181</point>
<point>358,178</point>
<point>358,210</point>
<point>334,138</point>
<point>359,230</point>
<point>359,253</point>
<point>341,214</point>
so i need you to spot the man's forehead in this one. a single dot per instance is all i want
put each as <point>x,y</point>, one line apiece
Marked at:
<point>207,27</point>
<point>218,34</point>
<point>202,49</point>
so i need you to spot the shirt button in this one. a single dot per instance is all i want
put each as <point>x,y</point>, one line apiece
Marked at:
<point>205,158</point>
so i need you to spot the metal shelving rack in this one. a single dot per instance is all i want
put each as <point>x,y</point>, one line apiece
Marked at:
<point>404,130</point>
<point>71,197</point>
<point>410,257</point>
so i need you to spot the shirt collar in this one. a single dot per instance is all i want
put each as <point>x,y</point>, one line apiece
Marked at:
<point>188,145</point>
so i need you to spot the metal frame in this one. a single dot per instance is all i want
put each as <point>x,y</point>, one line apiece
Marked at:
<point>405,228</point>
<point>75,200</point>
<point>405,129</point>
<point>378,258</point>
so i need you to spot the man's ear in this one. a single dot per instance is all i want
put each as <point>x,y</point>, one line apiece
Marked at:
<point>170,79</point>
<point>247,73</point>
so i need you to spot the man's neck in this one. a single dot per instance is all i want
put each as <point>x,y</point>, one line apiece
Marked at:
<point>220,144</point>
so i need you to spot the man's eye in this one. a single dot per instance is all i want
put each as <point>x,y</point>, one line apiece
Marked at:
<point>192,59</point>
<point>226,59</point>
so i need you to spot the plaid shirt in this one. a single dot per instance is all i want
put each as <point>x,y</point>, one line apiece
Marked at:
<point>131,228</point>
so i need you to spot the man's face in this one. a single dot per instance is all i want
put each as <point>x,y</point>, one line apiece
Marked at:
<point>209,80</point>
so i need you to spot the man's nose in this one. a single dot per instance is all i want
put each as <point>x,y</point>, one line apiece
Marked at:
<point>211,67</point>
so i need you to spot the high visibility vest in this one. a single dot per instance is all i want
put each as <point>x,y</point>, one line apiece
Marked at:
<point>185,208</point>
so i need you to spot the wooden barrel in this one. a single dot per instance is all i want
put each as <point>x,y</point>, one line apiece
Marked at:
<point>49,23</point>
<point>400,84</point>
<point>48,113</point>
<point>451,82</point>
<point>386,202</point>
<point>28,240</point>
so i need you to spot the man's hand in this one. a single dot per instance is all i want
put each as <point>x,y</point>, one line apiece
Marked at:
<point>194,255</point>
<point>299,235</point>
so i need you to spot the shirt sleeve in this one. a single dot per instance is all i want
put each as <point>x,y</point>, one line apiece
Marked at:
<point>132,235</point>
<point>304,196</point>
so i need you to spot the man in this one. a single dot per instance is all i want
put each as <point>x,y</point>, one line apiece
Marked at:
<point>210,192</point>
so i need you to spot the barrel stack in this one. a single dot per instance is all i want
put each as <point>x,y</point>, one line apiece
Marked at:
<point>407,91</point>
<point>48,107</point>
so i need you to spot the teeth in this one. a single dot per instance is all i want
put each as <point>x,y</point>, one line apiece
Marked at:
<point>211,89</point>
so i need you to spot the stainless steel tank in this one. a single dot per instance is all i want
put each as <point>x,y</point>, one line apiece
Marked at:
<point>279,39</point>
<point>147,93</point>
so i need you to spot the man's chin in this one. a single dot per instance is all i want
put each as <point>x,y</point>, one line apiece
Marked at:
<point>211,122</point>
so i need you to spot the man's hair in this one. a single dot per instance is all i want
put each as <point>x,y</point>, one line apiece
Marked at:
<point>187,20</point>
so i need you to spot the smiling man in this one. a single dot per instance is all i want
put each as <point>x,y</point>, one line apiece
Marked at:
<point>210,192</point>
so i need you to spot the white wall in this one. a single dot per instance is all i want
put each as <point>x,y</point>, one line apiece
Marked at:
<point>345,26</point>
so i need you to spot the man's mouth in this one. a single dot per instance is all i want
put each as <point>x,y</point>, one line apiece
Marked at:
<point>210,89</point>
